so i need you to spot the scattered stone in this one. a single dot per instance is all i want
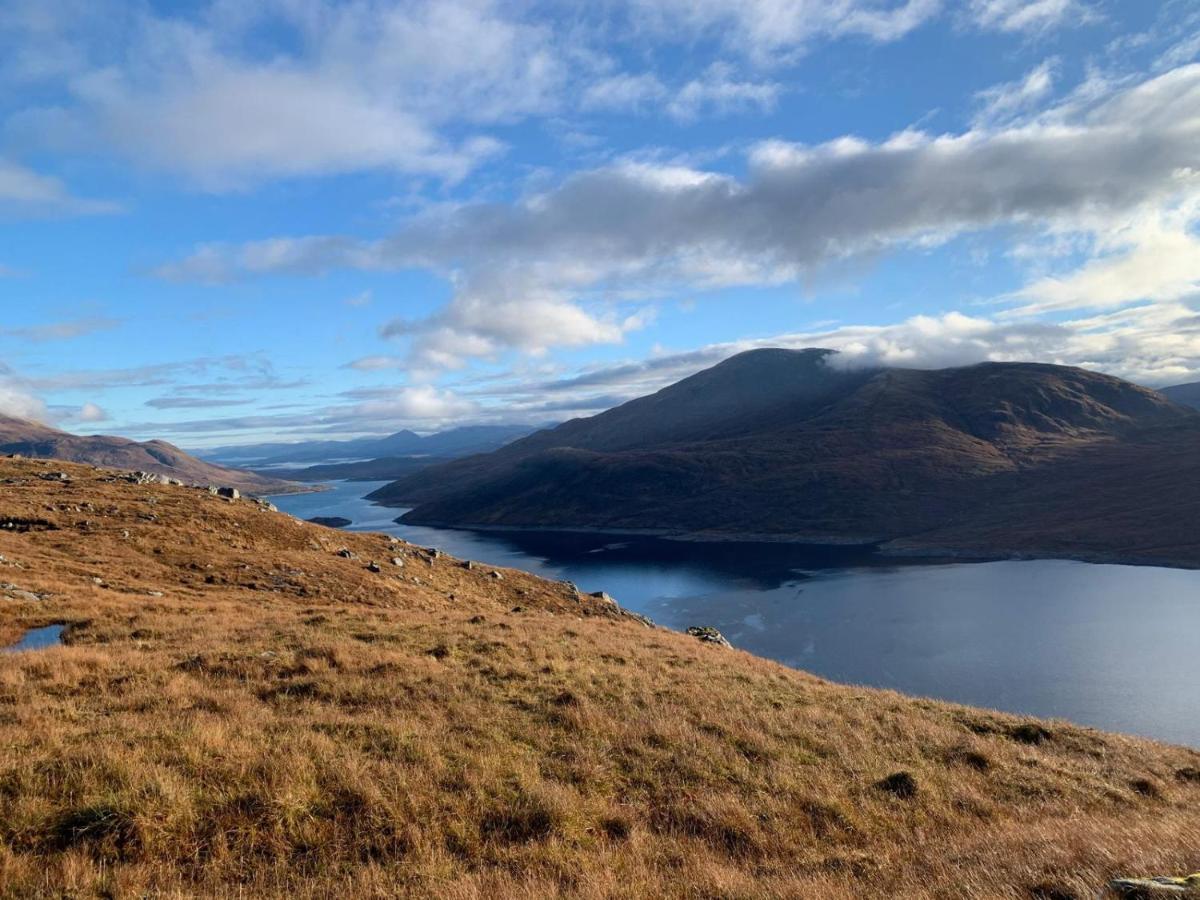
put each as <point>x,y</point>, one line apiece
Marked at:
<point>708,635</point>
<point>397,562</point>
<point>434,553</point>
<point>12,592</point>
<point>154,593</point>
<point>347,553</point>
<point>99,582</point>
<point>55,476</point>
<point>330,521</point>
<point>1151,888</point>
<point>900,784</point>
<point>229,493</point>
<point>14,523</point>
<point>603,598</point>
<point>496,575</point>
<point>374,567</point>
<point>469,564</point>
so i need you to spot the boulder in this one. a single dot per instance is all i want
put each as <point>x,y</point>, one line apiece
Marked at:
<point>374,567</point>
<point>229,493</point>
<point>347,553</point>
<point>708,635</point>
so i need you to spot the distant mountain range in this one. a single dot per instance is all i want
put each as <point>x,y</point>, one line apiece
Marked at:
<point>32,439</point>
<point>991,459</point>
<point>449,444</point>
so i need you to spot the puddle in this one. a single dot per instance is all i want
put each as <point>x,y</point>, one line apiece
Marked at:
<point>37,639</point>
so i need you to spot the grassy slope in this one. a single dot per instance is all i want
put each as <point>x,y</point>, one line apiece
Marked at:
<point>282,720</point>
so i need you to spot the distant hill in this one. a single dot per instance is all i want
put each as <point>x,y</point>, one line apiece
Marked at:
<point>996,458</point>
<point>39,441</point>
<point>445,444</point>
<point>1186,394</point>
<point>388,468</point>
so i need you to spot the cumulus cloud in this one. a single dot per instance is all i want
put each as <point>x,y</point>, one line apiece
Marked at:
<point>17,399</point>
<point>90,412</point>
<point>544,271</point>
<point>353,85</point>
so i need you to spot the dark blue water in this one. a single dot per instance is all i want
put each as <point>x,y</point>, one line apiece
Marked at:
<point>36,639</point>
<point>1103,645</point>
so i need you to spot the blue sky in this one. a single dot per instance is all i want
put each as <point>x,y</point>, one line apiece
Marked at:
<point>224,222</point>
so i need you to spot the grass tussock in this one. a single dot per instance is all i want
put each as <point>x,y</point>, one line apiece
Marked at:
<point>240,711</point>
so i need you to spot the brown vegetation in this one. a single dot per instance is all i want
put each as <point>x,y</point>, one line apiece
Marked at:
<point>242,710</point>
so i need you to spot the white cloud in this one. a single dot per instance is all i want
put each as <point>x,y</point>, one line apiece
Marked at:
<point>1030,15</point>
<point>1155,256</point>
<point>718,90</point>
<point>90,412</point>
<point>624,92</point>
<point>17,399</point>
<point>530,275</point>
<point>351,86</point>
<point>766,29</point>
<point>422,403</point>
<point>1004,101</point>
<point>25,193</point>
<point>375,363</point>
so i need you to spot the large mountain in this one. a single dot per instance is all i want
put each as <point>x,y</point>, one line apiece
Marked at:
<point>32,439</point>
<point>444,444</point>
<point>992,458</point>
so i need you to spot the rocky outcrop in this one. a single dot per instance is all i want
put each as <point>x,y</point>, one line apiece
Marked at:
<point>708,635</point>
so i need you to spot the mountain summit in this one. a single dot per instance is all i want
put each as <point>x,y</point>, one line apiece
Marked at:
<point>802,445</point>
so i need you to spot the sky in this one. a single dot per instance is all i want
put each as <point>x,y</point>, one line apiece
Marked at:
<point>226,222</point>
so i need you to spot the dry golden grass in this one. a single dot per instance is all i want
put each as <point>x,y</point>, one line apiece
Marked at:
<point>283,721</point>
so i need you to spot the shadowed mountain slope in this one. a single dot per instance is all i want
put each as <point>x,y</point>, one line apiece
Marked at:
<point>997,457</point>
<point>33,439</point>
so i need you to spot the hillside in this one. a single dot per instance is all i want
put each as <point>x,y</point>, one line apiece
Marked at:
<point>1185,394</point>
<point>32,439</point>
<point>996,458</point>
<point>246,706</point>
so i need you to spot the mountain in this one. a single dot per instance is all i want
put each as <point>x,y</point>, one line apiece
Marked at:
<point>32,439</point>
<point>445,444</point>
<point>996,458</point>
<point>244,705</point>
<point>1185,394</point>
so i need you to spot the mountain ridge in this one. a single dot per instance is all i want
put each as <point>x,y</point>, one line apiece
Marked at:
<point>838,453</point>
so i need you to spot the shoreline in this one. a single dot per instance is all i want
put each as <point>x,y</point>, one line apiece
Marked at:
<point>895,548</point>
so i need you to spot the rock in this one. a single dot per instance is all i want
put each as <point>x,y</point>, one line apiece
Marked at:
<point>469,564</point>
<point>347,553</point>
<point>496,575</point>
<point>603,598</point>
<point>12,592</point>
<point>708,635</point>
<point>1150,888</point>
<point>374,567</point>
<point>434,553</point>
<point>901,784</point>
<point>229,493</point>
<point>398,562</point>
<point>55,476</point>
<point>330,521</point>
